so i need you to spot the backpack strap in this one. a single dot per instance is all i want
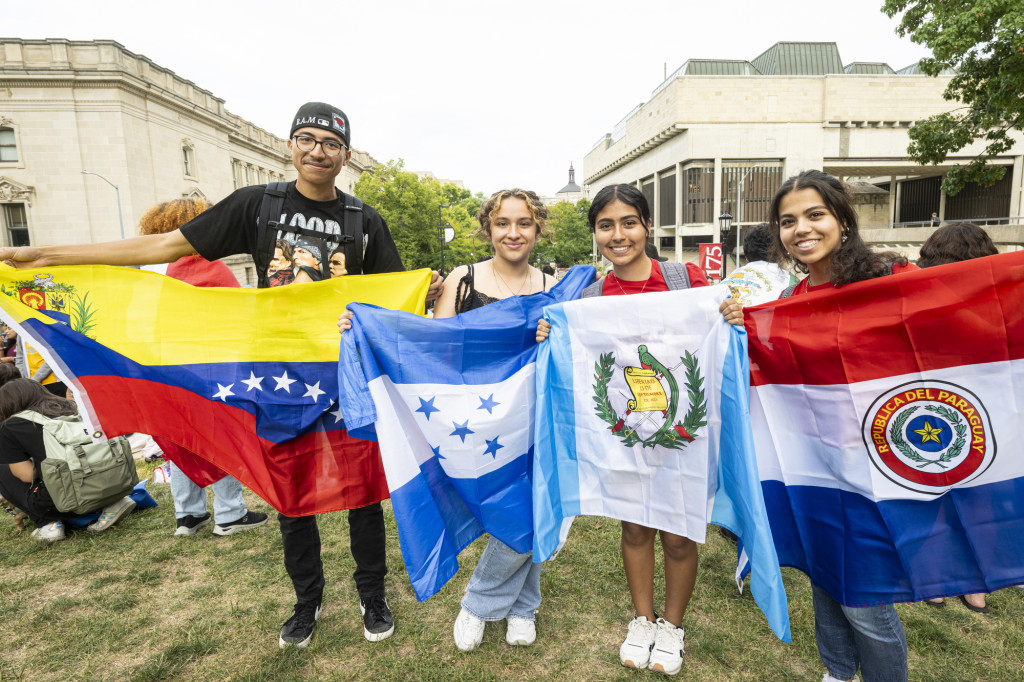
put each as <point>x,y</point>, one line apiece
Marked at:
<point>267,226</point>
<point>788,291</point>
<point>353,237</point>
<point>675,275</point>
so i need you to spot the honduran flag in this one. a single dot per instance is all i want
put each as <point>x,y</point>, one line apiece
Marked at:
<point>643,416</point>
<point>245,378</point>
<point>888,417</point>
<point>452,403</point>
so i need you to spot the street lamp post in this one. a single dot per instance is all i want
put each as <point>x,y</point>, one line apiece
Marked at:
<point>441,233</point>
<point>739,210</point>
<point>117,191</point>
<point>724,228</point>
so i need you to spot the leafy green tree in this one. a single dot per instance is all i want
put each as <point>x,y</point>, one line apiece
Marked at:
<point>410,204</point>
<point>570,236</point>
<point>983,40</point>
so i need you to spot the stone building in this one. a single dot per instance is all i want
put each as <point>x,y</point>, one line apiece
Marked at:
<point>719,136</point>
<point>69,106</point>
<point>571,193</point>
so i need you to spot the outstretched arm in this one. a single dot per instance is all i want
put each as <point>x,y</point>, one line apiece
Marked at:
<point>154,248</point>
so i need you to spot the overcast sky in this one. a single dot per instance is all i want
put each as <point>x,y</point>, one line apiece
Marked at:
<point>493,94</point>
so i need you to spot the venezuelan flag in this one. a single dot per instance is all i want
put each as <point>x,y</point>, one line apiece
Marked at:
<point>245,378</point>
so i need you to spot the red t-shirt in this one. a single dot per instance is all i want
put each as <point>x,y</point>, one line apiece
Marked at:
<point>613,286</point>
<point>803,287</point>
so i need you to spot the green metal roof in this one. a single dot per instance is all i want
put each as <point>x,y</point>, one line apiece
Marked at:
<point>873,68</point>
<point>718,67</point>
<point>799,59</point>
<point>915,70</point>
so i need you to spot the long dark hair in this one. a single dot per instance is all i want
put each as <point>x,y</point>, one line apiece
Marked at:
<point>853,261</point>
<point>627,194</point>
<point>25,394</point>
<point>955,242</point>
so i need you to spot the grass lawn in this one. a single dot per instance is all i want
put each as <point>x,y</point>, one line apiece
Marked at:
<point>137,603</point>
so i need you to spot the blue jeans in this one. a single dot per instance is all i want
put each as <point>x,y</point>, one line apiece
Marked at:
<point>190,499</point>
<point>505,583</point>
<point>871,637</point>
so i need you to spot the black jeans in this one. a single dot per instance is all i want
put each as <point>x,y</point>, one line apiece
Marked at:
<point>301,538</point>
<point>32,498</point>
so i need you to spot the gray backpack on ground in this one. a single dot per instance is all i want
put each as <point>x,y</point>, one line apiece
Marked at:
<point>82,476</point>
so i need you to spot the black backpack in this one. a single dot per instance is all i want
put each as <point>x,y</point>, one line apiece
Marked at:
<point>352,238</point>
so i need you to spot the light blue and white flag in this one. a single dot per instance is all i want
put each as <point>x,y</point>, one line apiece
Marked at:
<point>643,415</point>
<point>452,403</point>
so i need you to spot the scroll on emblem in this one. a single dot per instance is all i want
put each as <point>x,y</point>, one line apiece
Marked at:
<point>648,393</point>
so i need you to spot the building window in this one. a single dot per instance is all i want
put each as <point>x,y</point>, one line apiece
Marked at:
<point>760,181</point>
<point>8,145</point>
<point>667,200</point>
<point>16,224</point>
<point>188,160</point>
<point>700,194</point>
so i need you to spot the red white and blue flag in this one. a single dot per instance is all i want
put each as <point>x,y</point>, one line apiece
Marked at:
<point>888,418</point>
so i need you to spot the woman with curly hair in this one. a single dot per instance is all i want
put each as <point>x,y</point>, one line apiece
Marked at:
<point>229,507</point>
<point>814,227</point>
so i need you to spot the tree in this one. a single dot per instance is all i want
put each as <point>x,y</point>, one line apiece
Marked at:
<point>410,204</point>
<point>570,236</point>
<point>983,41</point>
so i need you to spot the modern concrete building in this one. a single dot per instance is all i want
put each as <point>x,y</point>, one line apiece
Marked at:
<point>719,136</point>
<point>70,106</point>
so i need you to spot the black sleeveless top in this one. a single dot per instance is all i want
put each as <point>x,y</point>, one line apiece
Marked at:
<point>468,298</point>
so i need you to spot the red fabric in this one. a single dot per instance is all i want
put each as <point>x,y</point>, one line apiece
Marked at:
<point>881,325</point>
<point>345,473</point>
<point>697,276</point>
<point>198,272</point>
<point>614,286</point>
<point>804,286</point>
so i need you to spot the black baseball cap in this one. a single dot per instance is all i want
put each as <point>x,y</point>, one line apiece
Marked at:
<point>322,115</point>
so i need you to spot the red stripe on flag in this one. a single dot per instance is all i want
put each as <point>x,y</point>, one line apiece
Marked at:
<point>959,314</point>
<point>312,474</point>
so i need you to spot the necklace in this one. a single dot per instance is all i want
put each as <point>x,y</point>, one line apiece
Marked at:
<point>646,282</point>
<point>521,284</point>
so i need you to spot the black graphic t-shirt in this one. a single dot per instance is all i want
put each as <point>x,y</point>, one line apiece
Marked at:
<point>230,227</point>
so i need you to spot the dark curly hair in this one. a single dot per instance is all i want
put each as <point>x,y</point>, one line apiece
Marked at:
<point>757,243</point>
<point>853,261</point>
<point>954,242</point>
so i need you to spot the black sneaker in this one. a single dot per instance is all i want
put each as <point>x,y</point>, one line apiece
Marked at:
<point>377,621</point>
<point>250,520</point>
<point>188,525</point>
<point>298,630</point>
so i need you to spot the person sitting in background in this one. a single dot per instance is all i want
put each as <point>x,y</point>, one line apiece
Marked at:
<point>22,452</point>
<point>229,507</point>
<point>953,243</point>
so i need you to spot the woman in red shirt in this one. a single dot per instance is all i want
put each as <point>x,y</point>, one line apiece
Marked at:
<point>814,229</point>
<point>621,221</point>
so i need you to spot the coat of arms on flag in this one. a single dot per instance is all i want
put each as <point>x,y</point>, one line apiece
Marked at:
<point>648,399</point>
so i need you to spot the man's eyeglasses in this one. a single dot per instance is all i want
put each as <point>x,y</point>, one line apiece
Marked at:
<point>307,144</point>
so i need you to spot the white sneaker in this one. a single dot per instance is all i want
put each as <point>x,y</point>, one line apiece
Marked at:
<point>51,532</point>
<point>520,632</point>
<point>468,631</point>
<point>111,514</point>
<point>667,654</point>
<point>828,678</point>
<point>635,652</point>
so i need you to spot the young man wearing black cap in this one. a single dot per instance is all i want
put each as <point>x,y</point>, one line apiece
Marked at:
<point>311,207</point>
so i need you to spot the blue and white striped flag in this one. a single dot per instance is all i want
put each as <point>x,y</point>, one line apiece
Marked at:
<point>643,415</point>
<point>452,404</point>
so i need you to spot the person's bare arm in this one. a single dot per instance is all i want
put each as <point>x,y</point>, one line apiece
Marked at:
<point>445,304</point>
<point>154,248</point>
<point>23,470</point>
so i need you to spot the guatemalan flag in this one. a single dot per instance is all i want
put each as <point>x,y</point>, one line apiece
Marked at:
<point>643,416</point>
<point>452,402</point>
<point>889,422</point>
<point>244,378</point>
